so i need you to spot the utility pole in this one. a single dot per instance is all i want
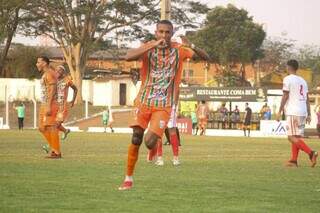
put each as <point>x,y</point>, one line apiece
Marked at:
<point>165,9</point>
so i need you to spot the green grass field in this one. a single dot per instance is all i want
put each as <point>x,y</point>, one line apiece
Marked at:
<point>217,175</point>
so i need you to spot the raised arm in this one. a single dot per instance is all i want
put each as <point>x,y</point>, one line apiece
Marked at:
<point>200,52</point>
<point>136,53</point>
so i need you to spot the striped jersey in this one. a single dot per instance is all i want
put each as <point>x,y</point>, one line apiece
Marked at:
<point>62,91</point>
<point>48,78</point>
<point>161,75</point>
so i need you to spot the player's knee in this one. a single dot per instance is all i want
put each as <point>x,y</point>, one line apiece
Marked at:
<point>151,140</point>
<point>137,136</point>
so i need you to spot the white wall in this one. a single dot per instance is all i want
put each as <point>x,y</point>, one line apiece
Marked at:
<point>98,93</point>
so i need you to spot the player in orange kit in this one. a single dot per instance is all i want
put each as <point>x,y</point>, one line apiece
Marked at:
<point>48,107</point>
<point>63,84</point>
<point>162,62</point>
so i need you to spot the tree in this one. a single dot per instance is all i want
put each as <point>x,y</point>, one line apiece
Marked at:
<point>230,37</point>
<point>309,58</point>
<point>276,53</point>
<point>22,61</point>
<point>78,26</point>
<point>11,15</point>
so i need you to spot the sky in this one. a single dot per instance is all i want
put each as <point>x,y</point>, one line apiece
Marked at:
<point>294,19</point>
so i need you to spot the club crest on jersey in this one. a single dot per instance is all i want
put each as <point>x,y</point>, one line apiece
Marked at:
<point>162,124</point>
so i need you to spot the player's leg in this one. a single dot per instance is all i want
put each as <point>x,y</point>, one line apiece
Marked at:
<point>51,126</point>
<point>133,154</point>
<point>55,142</point>
<point>110,126</point>
<point>140,122</point>
<point>43,130</point>
<point>244,129</point>
<point>166,132</point>
<point>178,134</point>
<point>295,133</point>
<point>175,145</point>
<point>159,153</point>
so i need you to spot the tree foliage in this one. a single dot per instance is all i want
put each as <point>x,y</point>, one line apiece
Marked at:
<point>11,14</point>
<point>22,61</point>
<point>277,51</point>
<point>230,37</point>
<point>78,26</point>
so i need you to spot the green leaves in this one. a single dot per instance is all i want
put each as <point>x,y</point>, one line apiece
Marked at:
<point>230,36</point>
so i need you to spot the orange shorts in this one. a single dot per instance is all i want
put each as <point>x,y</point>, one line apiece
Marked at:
<point>203,121</point>
<point>156,118</point>
<point>61,116</point>
<point>45,120</point>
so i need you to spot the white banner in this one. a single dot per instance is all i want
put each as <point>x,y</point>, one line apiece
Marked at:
<point>273,127</point>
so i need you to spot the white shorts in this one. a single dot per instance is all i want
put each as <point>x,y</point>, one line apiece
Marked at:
<point>295,125</point>
<point>173,117</point>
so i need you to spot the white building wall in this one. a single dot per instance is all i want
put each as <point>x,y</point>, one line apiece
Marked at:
<point>97,93</point>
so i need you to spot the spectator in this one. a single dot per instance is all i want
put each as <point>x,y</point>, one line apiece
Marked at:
<point>235,117</point>
<point>21,113</point>
<point>194,122</point>
<point>265,112</point>
<point>268,113</point>
<point>224,115</point>
<point>107,119</point>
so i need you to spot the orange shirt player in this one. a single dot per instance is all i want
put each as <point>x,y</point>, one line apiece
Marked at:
<point>160,74</point>
<point>48,107</point>
<point>64,82</point>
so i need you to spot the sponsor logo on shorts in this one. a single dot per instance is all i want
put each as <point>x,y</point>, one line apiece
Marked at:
<point>162,124</point>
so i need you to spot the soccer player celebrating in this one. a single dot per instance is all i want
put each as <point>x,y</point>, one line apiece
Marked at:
<point>48,107</point>
<point>64,82</point>
<point>161,70</point>
<point>295,104</point>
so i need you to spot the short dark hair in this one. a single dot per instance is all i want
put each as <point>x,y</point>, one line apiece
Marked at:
<point>45,59</point>
<point>203,101</point>
<point>293,64</point>
<point>164,21</point>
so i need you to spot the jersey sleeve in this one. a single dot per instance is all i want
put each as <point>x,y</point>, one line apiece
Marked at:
<point>286,84</point>
<point>186,53</point>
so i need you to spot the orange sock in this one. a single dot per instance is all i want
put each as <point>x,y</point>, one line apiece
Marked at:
<point>46,134</point>
<point>294,152</point>
<point>133,153</point>
<point>54,136</point>
<point>304,147</point>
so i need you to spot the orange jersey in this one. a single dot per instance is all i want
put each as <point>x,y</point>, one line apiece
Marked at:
<point>48,78</point>
<point>202,111</point>
<point>62,92</point>
<point>161,75</point>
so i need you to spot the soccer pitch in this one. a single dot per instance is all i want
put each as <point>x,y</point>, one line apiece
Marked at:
<point>218,174</point>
